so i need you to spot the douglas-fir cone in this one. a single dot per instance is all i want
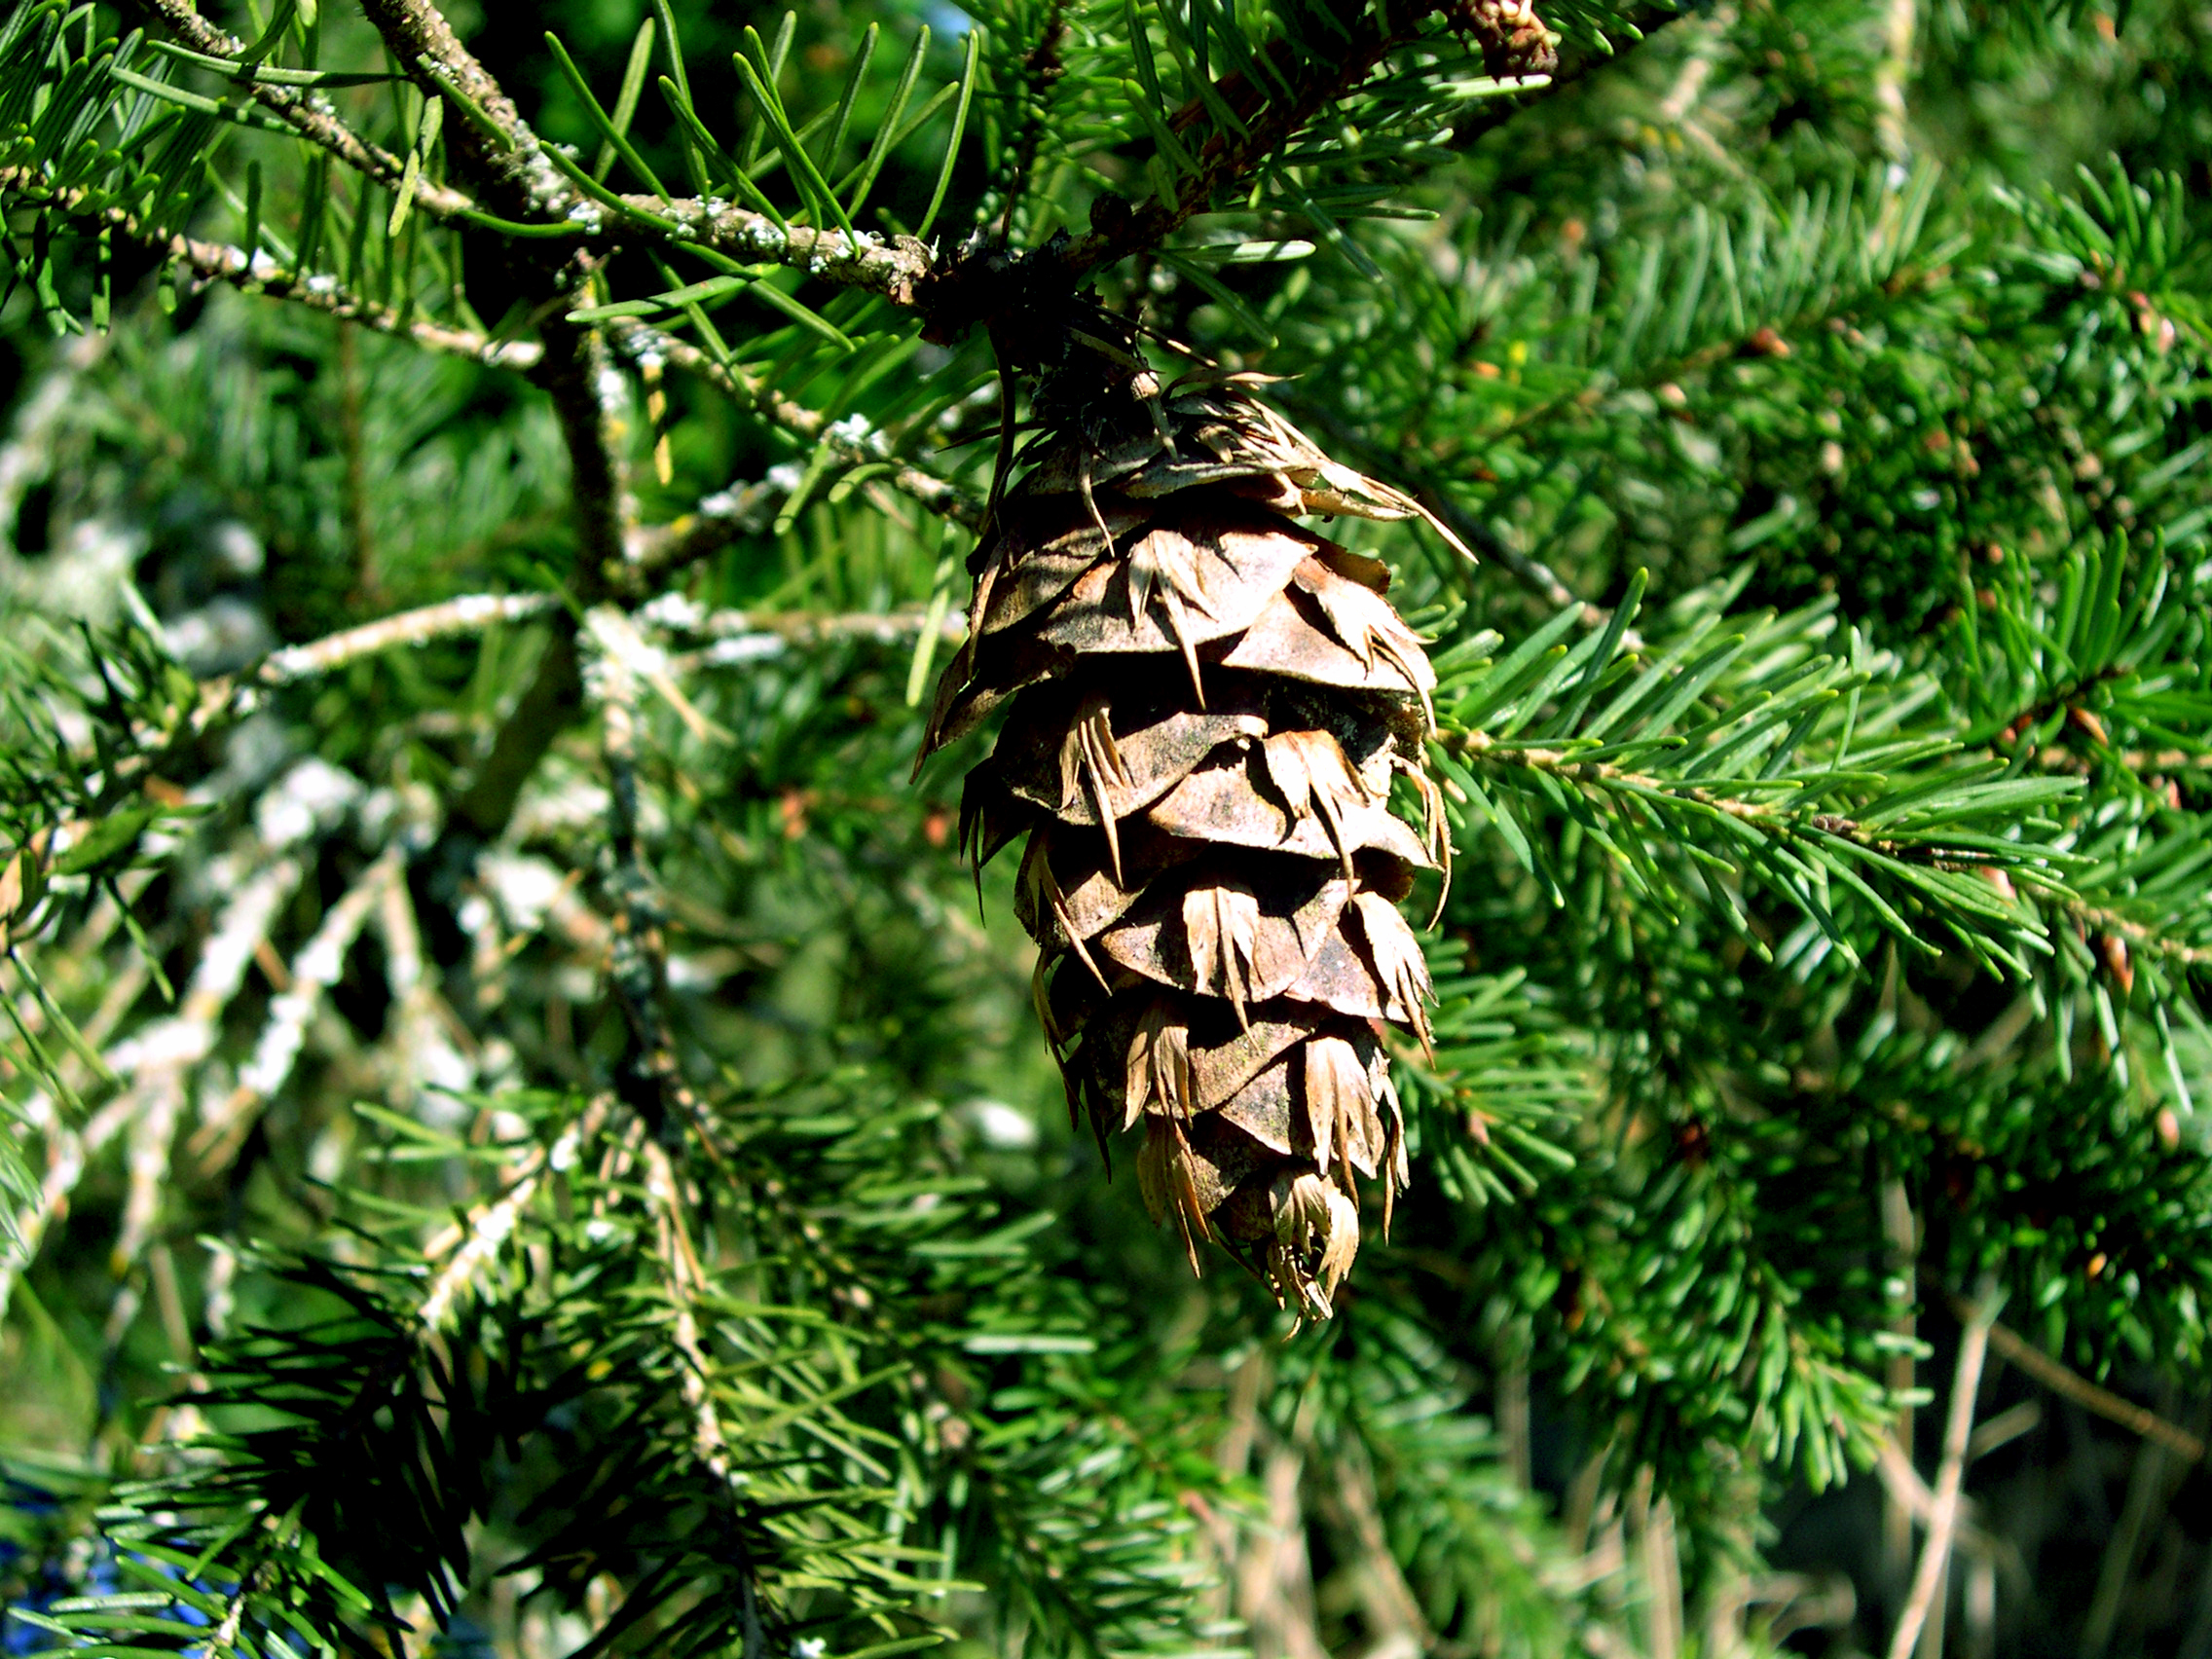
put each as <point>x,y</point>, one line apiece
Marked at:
<point>1207,704</point>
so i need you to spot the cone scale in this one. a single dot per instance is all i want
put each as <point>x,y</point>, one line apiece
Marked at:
<point>1205,704</point>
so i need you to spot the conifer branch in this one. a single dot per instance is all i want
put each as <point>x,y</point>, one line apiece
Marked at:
<point>578,375</point>
<point>893,266</point>
<point>638,969</point>
<point>1778,818</point>
<point>524,180</point>
<point>1515,46</point>
<point>651,553</point>
<point>2138,934</point>
<point>257,272</point>
<point>308,112</point>
<point>504,149</point>
<point>419,35</point>
<point>1230,156</point>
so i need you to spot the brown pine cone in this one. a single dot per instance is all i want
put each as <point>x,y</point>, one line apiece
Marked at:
<point>1208,703</point>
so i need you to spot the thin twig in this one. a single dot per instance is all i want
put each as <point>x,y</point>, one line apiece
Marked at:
<point>474,1241</point>
<point>469,613</point>
<point>1662,1564</point>
<point>2139,936</point>
<point>652,1082</point>
<point>314,971</point>
<point>2015,1349</point>
<point>1708,34</point>
<point>1900,20</point>
<point>1902,1239</point>
<point>155,1058</point>
<point>890,266</point>
<point>227,695</point>
<point>684,1279</point>
<point>2147,1484</point>
<point>353,489</point>
<point>741,636</point>
<point>1902,1486</point>
<point>1950,1474</point>
<point>1393,1612</point>
<point>852,440</point>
